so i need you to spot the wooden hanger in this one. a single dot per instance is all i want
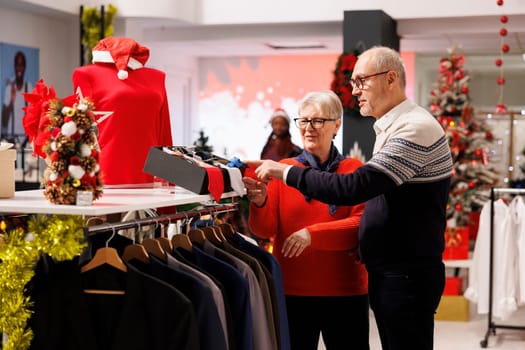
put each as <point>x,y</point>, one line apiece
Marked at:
<point>197,236</point>
<point>183,241</point>
<point>219,233</point>
<point>105,255</point>
<point>153,247</point>
<point>165,243</point>
<point>137,252</point>
<point>227,230</point>
<point>211,235</point>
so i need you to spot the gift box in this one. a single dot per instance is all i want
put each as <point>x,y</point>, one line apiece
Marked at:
<point>456,243</point>
<point>7,173</point>
<point>183,171</point>
<point>176,170</point>
<point>452,308</point>
<point>453,286</point>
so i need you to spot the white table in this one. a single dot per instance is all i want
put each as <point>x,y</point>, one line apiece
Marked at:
<point>460,263</point>
<point>113,200</point>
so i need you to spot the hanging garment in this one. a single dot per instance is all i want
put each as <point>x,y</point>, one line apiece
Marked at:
<point>150,315</point>
<point>477,290</point>
<point>272,265</point>
<point>237,294</point>
<point>261,332</point>
<point>507,277</point>
<point>211,334</point>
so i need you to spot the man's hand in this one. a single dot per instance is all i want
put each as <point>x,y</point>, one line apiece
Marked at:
<point>295,244</point>
<point>267,169</point>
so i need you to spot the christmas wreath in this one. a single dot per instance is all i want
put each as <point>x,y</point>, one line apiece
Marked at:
<point>63,132</point>
<point>341,81</point>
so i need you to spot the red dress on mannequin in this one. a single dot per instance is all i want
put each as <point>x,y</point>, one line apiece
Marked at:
<point>140,118</point>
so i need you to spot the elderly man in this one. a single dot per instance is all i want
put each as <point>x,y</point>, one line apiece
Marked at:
<point>405,186</point>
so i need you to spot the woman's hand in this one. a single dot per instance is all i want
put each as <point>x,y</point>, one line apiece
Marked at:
<point>295,244</point>
<point>255,191</point>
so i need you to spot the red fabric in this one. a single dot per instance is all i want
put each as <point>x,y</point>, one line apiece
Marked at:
<point>326,267</point>
<point>453,286</point>
<point>36,121</point>
<point>121,49</point>
<point>456,243</point>
<point>140,118</point>
<point>215,182</point>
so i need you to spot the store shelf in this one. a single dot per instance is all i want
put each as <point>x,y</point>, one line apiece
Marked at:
<point>113,200</point>
<point>462,263</point>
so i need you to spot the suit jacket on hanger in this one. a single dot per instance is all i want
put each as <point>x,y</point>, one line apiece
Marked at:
<point>150,315</point>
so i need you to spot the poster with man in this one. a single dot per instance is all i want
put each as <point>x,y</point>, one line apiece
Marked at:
<point>18,75</point>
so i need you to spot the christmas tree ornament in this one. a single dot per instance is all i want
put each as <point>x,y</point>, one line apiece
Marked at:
<point>63,132</point>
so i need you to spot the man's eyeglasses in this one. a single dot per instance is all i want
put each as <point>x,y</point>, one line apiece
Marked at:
<point>316,123</point>
<point>359,82</point>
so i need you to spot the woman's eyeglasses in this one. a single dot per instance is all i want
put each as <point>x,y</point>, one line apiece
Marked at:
<point>316,123</point>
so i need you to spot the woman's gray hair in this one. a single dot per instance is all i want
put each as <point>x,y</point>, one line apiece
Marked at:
<point>326,102</point>
<point>385,58</point>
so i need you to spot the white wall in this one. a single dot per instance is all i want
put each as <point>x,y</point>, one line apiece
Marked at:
<point>57,39</point>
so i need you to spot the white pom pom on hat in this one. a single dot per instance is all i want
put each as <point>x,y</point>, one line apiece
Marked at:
<point>124,52</point>
<point>279,112</point>
<point>122,74</point>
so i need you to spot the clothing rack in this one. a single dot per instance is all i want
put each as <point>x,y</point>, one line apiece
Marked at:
<point>491,327</point>
<point>155,220</point>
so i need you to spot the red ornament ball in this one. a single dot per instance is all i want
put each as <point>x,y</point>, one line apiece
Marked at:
<point>479,153</point>
<point>488,135</point>
<point>501,108</point>
<point>459,207</point>
<point>471,184</point>
<point>504,19</point>
<point>503,32</point>
<point>464,90</point>
<point>499,62</point>
<point>499,2</point>
<point>501,81</point>
<point>505,48</point>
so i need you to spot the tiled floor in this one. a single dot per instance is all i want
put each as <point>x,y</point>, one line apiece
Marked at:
<point>451,335</point>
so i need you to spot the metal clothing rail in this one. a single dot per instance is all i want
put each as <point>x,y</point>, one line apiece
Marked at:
<point>138,223</point>
<point>491,328</point>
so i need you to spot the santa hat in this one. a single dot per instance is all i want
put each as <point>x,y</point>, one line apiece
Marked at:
<point>124,52</point>
<point>279,112</point>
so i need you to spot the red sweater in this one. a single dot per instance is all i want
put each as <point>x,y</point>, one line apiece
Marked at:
<point>327,267</point>
<point>140,118</point>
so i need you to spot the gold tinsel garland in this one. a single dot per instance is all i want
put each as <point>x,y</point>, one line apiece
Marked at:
<point>91,18</point>
<point>59,236</point>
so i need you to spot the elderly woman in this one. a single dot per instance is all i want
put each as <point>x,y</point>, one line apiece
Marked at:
<point>316,243</point>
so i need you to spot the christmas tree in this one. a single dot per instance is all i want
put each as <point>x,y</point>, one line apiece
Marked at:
<point>469,139</point>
